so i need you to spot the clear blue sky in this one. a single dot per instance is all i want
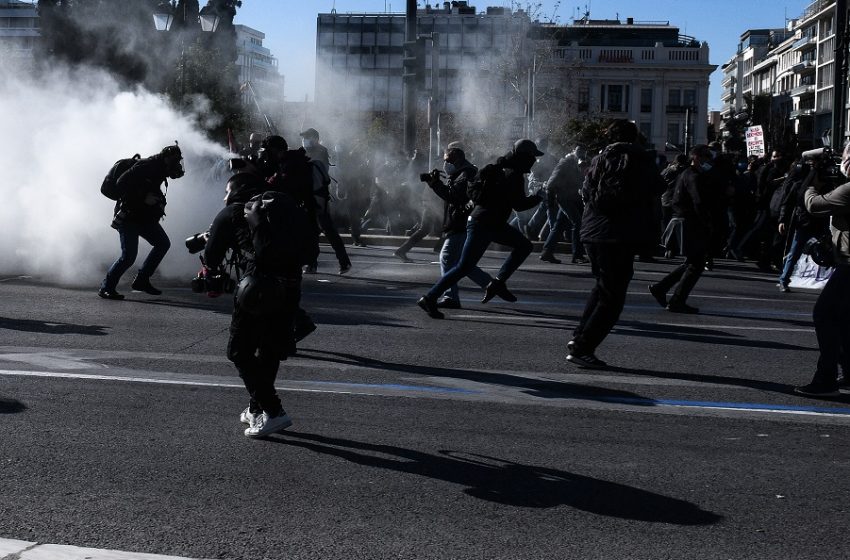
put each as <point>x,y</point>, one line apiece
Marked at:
<point>290,25</point>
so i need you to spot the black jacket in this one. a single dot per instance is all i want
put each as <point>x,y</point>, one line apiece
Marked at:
<point>456,208</point>
<point>507,196</point>
<point>690,199</point>
<point>564,183</point>
<point>632,222</point>
<point>136,184</point>
<point>229,229</point>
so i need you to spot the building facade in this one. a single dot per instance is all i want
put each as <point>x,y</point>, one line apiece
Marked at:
<point>261,81</point>
<point>19,30</point>
<point>794,69</point>
<point>499,65</point>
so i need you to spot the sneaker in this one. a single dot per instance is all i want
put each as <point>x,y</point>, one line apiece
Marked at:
<point>248,417</point>
<point>265,425</point>
<point>430,307</point>
<point>817,390</point>
<point>579,260</point>
<point>359,244</point>
<point>589,361</point>
<point>550,258</point>
<point>310,269</point>
<point>110,294</point>
<point>144,285</point>
<point>343,268</point>
<point>660,297</point>
<point>446,302</point>
<point>495,288</point>
<point>402,256</point>
<point>784,288</point>
<point>682,308</point>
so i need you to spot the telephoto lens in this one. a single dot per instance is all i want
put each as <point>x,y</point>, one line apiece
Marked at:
<point>197,242</point>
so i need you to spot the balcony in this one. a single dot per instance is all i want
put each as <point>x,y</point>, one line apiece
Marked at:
<point>728,81</point>
<point>800,113</point>
<point>680,109</point>
<point>807,42</point>
<point>653,57</point>
<point>803,66</point>
<point>727,94</point>
<point>803,89</point>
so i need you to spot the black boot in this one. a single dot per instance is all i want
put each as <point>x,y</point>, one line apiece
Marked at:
<point>497,287</point>
<point>144,285</point>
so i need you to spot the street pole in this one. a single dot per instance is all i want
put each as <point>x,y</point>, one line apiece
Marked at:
<point>838,109</point>
<point>409,101</point>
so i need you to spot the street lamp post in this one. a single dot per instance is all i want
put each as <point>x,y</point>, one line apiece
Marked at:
<point>163,18</point>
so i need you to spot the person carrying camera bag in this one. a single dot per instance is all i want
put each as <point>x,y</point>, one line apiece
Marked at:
<point>832,309</point>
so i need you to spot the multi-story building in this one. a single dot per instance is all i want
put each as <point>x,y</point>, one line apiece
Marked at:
<point>492,63</point>
<point>795,67</point>
<point>19,29</point>
<point>259,68</point>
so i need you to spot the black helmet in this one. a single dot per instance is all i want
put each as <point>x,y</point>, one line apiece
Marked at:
<point>258,294</point>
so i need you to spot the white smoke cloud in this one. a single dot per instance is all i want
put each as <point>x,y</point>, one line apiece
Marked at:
<point>61,133</point>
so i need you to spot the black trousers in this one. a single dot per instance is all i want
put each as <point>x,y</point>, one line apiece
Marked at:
<point>684,277</point>
<point>832,327</point>
<point>256,347</point>
<point>613,266</point>
<point>326,224</point>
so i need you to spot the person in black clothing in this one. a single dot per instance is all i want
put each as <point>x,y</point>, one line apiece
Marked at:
<point>137,214</point>
<point>761,239</point>
<point>257,342</point>
<point>692,205</point>
<point>796,222</point>
<point>488,224</point>
<point>290,171</point>
<point>456,209</point>
<point>321,181</point>
<point>617,221</point>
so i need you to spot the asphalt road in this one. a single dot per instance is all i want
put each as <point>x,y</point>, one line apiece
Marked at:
<point>470,437</point>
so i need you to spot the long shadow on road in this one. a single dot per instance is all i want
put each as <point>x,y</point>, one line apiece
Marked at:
<point>541,388</point>
<point>50,327</point>
<point>512,484</point>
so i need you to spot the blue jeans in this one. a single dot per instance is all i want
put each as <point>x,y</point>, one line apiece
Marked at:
<point>129,235</point>
<point>449,257</point>
<point>798,241</point>
<point>478,238</point>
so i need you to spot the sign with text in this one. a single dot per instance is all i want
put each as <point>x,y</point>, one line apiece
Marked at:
<point>755,141</point>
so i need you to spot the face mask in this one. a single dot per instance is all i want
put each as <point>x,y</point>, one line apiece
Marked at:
<point>307,143</point>
<point>742,166</point>
<point>706,166</point>
<point>449,168</point>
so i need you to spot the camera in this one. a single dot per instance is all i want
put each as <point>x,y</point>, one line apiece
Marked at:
<point>428,177</point>
<point>214,282</point>
<point>826,163</point>
<point>197,242</point>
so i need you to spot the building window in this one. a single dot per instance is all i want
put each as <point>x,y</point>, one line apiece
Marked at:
<point>674,97</point>
<point>583,99</point>
<point>646,130</point>
<point>673,134</point>
<point>646,100</point>
<point>689,98</point>
<point>615,98</point>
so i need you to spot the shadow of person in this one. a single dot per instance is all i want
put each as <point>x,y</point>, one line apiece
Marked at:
<point>50,327</point>
<point>510,483</point>
<point>11,406</point>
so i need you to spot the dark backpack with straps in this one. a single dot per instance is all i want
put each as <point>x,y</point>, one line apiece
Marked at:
<point>489,180</point>
<point>611,179</point>
<point>282,233</point>
<point>109,187</point>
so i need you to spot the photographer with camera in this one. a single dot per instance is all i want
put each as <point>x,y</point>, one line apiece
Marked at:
<point>266,299</point>
<point>497,190</point>
<point>138,211</point>
<point>832,309</point>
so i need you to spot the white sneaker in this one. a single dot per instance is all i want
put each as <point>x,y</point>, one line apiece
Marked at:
<point>265,425</point>
<point>248,417</point>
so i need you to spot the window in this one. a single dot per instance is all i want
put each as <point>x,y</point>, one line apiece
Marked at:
<point>673,134</point>
<point>615,98</point>
<point>674,97</point>
<point>646,130</point>
<point>583,99</point>
<point>646,100</point>
<point>689,97</point>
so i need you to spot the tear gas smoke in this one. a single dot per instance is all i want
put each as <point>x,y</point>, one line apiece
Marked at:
<point>61,133</point>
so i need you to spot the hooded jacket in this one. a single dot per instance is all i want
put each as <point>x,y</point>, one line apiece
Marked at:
<point>136,184</point>
<point>509,195</point>
<point>456,206</point>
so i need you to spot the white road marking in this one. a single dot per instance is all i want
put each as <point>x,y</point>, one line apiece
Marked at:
<point>23,550</point>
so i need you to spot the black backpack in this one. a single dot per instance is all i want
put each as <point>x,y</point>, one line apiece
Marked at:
<point>488,181</point>
<point>282,233</point>
<point>109,187</point>
<point>611,179</point>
